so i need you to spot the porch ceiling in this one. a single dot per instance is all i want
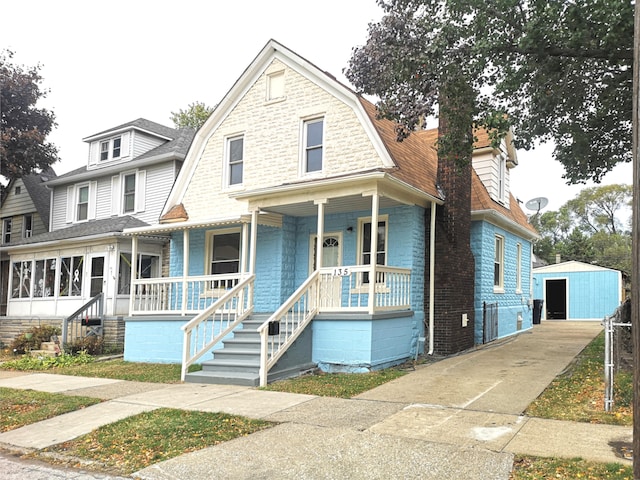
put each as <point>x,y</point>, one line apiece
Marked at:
<point>351,203</point>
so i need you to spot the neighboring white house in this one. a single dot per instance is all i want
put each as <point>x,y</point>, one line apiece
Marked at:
<point>129,173</point>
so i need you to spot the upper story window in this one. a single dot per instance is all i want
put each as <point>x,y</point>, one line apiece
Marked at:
<point>110,149</point>
<point>18,190</point>
<point>6,230</point>
<point>313,138</point>
<point>129,193</point>
<point>275,86</point>
<point>82,203</point>
<point>27,226</point>
<point>498,264</point>
<point>235,160</point>
<point>502,177</point>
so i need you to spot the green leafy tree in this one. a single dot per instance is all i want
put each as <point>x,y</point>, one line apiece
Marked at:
<point>599,208</point>
<point>553,69</point>
<point>193,117</point>
<point>23,126</point>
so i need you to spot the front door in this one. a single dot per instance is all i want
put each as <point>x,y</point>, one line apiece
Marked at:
<point>330,286</point>
<point>96,276</point>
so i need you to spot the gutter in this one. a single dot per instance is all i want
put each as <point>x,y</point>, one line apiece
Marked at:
<point>432,268</point>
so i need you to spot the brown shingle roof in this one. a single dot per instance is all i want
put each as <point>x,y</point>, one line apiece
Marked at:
<point>416,159</point>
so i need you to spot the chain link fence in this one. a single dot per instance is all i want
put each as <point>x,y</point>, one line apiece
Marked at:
<point>618,348</point>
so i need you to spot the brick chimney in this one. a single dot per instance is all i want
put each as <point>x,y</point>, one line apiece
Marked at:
<point>454,261</point>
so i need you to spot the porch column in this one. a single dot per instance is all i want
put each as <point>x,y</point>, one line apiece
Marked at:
<point>244,248</point>
<point>254,241</point>
<point>320,231</point>
<point>375,206</point>
<point>134,273</point>
<point>185,269</point>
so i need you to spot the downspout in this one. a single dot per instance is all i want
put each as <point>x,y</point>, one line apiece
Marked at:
<point>432,268</point>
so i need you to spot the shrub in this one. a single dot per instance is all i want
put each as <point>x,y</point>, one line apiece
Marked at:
<point>32,338</point>
<point>92,345</point>
<point>45,363</point>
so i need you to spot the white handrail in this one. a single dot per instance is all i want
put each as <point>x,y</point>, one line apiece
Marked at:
<point>215,322</point>
<point>295,321</point>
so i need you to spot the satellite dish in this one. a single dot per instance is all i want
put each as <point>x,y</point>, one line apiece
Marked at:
<point>536,204</point>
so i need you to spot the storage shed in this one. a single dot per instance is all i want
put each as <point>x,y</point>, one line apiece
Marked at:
<point>577,291</point>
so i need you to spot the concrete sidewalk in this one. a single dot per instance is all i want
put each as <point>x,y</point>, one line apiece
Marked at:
<point>460,417</point>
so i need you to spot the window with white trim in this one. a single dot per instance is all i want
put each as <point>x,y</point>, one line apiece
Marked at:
<point>21,279</point>
<point>223,255</point>
<point>27,226</point>
<point>110,149</point>
<point>313,145</point>
<point>44,277</point>
<point>275,86</point>
<point>498,264</point>
<point>502,177</point>
<point>70,275</point>
<point>235,160</point>
<point>518,268</point>
<point>7,224</point>
<point>364,245</point>
<point>82,203</point>
<point>129,193</point>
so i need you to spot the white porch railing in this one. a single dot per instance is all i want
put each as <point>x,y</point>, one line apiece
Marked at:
<point>341,289</point>
<point>171,295</point>
<point>290,320</point>
<point>348,288</point>
<point>217,321</point>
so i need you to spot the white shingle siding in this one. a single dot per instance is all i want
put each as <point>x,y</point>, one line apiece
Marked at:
<point>487,168</point>
<point>272,143</point>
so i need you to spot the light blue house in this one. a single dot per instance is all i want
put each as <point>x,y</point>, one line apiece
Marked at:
<point>302,235</point>
<point>577,291</point>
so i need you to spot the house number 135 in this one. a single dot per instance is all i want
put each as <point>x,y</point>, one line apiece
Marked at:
<point>341,272</point>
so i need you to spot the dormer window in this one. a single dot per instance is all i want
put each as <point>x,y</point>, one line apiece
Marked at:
<point>110,149</point>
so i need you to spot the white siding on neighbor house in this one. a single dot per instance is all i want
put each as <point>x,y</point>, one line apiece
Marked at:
<point>152,187</point>
<point>272,143</point>
<point>487,168</point>
<point>142,143</point>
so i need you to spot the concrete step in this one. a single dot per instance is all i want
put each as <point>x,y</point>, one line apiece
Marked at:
<point>237,353</point>
<point>236,378</point>
<point>251,365</point>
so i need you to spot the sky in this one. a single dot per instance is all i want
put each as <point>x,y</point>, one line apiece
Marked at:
<point>108,63</point>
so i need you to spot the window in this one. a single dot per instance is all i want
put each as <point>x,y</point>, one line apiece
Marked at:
<point>129,194</point>
<point>313,133</point>
<point>235,155</point>
<point>275,85</point>
<point>148,267</point>
<point>18,190</point>
<point>21,279</point>
<point>498,264</point>
<point>365,245</point>
<point>519,268</point>
<point>82,204</point>
<point>6,230</point>
<point>71,276</point>
<point>502,175</point>
<point>223,256</point>
<point>110,149</point>
<point>27,226</point>
<point>44,278</point>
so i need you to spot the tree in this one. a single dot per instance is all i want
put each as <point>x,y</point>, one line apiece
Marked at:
<point>23,126</point>
<point>555,70</point>
<point>193,117</point>
<point>598,208</point>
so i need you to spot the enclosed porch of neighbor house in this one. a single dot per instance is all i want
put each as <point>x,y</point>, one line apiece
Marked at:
<point>249,286</point>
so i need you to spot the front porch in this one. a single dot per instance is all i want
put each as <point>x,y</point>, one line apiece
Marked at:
<point>299,263</point>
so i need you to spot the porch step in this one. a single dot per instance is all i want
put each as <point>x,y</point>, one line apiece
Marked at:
<point>237,378</point>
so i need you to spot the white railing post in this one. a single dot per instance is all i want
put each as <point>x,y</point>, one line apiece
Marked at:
<point>263,357</point>
<point>186,349</point>
<point>134,269</point>
<point>374,253</point>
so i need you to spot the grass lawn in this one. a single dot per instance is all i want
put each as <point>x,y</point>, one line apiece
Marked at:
<point>23,407</point>
<point>142,440</point>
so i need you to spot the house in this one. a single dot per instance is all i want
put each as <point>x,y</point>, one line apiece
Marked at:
<point>577,291</point>
<point>303,234</point>
<point>24,212</point>
<point>84,257</point>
